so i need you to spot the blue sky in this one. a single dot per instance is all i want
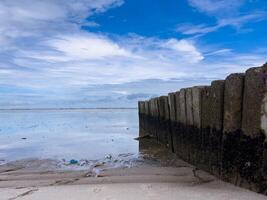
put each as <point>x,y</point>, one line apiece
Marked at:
<point>101,53</point>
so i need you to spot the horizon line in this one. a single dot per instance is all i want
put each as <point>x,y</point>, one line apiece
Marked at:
<point>96,108</point>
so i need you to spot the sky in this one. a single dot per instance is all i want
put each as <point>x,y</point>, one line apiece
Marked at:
<point>112,53</point>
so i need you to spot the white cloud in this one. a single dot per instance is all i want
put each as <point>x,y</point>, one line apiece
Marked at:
<point>190,29</point>
<point>143,58</point>
<point>239,21</point>
<point>28,11</point>
<point>87,58</point>
<point>121,92</point>
<point>185,48</point>
<point>87,47</point>
<point>4,71</point>
<point>226,12</point>
<point>37,18</point>
<point>219,52</point>
<point>77,48</point>
<point>217,7</point>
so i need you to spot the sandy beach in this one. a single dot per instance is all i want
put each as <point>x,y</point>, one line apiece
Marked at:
<point>146,182</point>
<point>113,167</point>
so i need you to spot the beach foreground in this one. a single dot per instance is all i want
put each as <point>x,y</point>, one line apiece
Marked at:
<point>146,182</point>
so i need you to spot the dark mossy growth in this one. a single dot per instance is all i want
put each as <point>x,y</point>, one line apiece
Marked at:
<point>177,142</point>
<point>163,132</point>
<point>154,126</point>
<point>174,136</point>
<point>184,142</point>
<point>148,125</point>
<point>178,139</point>
<point>264,163</point>
<point>154,123</point>
<point>197,146</point>
<point>191,143</point>
<point>250,161</point>
<point>215,152</point>
<point>264,166</point>
<point>142,127</point>
<point>242,160</point>
<point>230,156</point>
<point>205,146</point>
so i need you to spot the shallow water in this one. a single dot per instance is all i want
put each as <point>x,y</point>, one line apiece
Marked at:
<point>90,134</point>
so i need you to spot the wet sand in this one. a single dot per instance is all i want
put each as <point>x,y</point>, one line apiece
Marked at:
<point>180,182</point>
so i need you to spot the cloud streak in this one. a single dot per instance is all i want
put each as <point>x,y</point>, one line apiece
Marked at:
<point>87,58</point>
<point>226,12</point>
<point>217,7</point>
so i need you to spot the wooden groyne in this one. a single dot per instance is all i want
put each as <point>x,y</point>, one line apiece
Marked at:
<point>221,128</point>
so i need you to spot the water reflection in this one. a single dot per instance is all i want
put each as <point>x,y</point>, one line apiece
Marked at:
<point>77,140</point>
<point>67,134</point>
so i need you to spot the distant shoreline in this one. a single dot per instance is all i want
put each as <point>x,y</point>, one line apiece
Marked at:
<point>14,109</point>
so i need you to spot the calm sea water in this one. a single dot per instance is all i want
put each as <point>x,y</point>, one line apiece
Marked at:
<point>67,134</point>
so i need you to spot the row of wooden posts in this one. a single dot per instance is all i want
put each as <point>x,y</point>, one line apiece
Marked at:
<point>220,128</point>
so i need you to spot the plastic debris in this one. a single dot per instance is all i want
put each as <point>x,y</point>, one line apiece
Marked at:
<point>109,157</point>
<point>73,162</point>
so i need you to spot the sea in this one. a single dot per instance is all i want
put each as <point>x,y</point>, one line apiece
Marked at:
<point>67,134</point>
<point>71,139</point>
